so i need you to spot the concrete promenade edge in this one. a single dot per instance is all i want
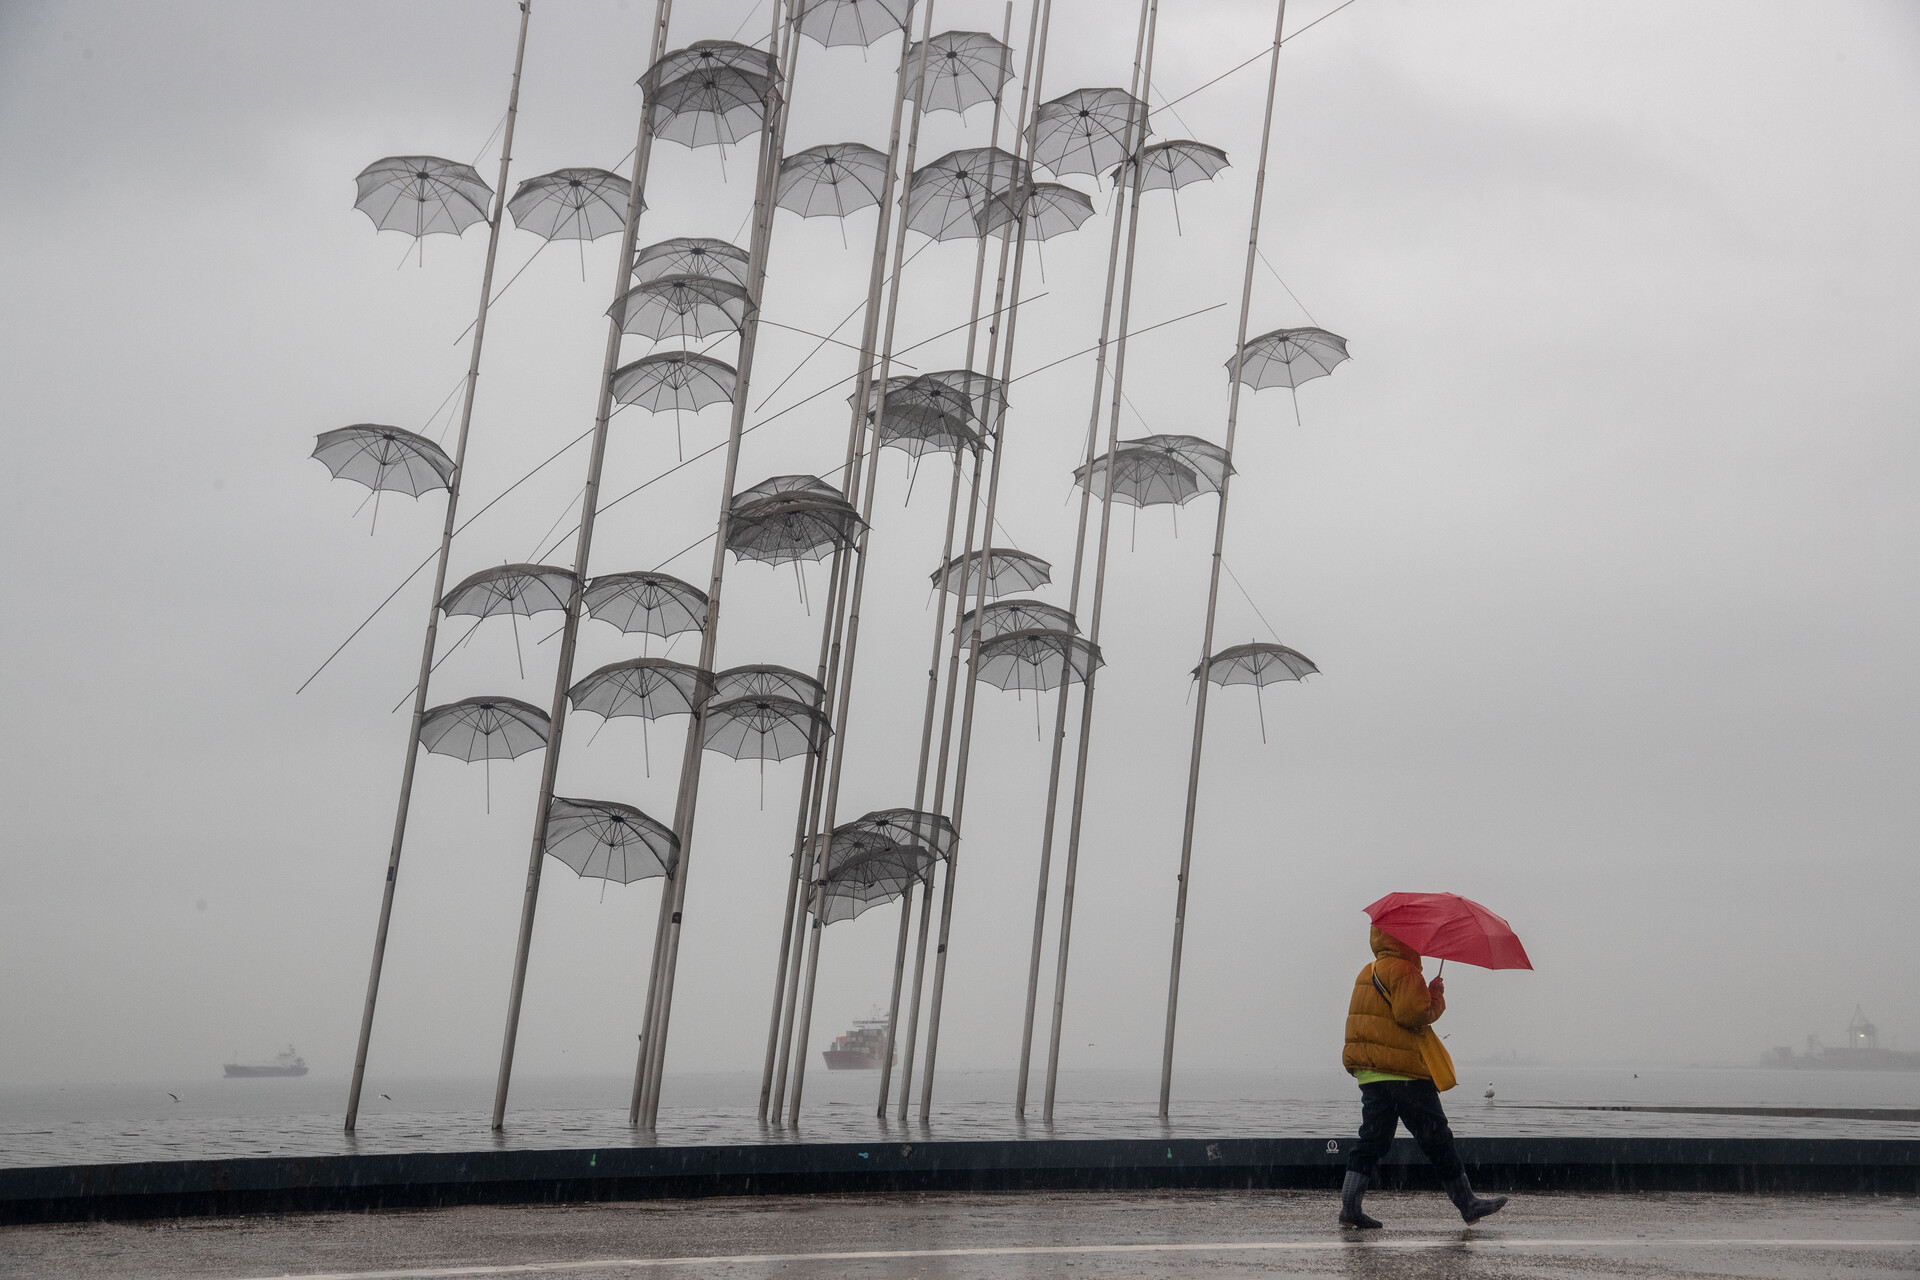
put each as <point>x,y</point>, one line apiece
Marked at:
<point>163,1189</point>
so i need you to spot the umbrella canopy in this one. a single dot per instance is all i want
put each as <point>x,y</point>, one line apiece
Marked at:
<point>761,679</point>
<point>1289,357</point>
<point>1258,665</point>
<point>964,69</point>
<point>484,729</point>
<point>1447,926</point>
<point>866,882</point>
<point>524,589</point>
<point>764,727</point>
<point>1088,130</point>
<point>422,195</point>
<point>710,106</point>
<point>1209,461</point>
<point>644,687</point>
<point>986,397</point>
<point>791,526</point>
<point>709,55</point>
<point>1038,659</point>
<point>571,204</point>
<point>917,429</point>
<point>948,198</point>
<point>1003,616</point>
<point>1169,166</point>
<point>1141,478</point>
<point>831,180</point>
<point>894,384</point>
<point>1008,570</point>
<point>673,381</point>
<point>384,458</point>
<point>1053,208</point>
<point>609,841</point>
<point>656,603</point>
<point>681,307</point>
<point>927,415</point>
<point>774,485</point>
<point>1155,470</point>
<point>692,256</point>
<point>865,870</point>
<point>936,395</point>
<point>930,831</point>
<point>852,22</point>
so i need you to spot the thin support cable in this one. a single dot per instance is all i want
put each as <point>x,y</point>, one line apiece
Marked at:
<point>1248,596</point>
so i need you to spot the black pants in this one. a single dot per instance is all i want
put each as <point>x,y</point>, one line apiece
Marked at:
<point>1417,1103</point>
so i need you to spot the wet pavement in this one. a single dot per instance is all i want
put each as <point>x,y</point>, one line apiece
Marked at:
<point>1076,1236</point>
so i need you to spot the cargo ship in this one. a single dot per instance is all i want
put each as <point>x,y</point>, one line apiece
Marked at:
<point>1862,1052</point>
<point>287,1063</point>
<point>861,1049</point>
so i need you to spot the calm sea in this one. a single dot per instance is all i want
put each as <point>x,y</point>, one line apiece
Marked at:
<point>217,1117</point>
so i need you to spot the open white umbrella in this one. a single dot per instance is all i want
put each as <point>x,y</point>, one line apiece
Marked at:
<point>422,195</point>
<point>484,729</point>
<point>609,841</point>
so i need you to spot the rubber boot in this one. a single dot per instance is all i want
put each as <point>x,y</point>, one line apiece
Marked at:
<point>1472,1207</point>
<point>1351,1214</point>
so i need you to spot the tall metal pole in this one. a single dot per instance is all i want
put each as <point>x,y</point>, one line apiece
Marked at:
<point>1122,204</point>
<point>795,874</point>
<point>1005,352</point>
<point>1065,937</point>
<point>808,848</point>
<point>774,115</point>
<point>439,584</point>
<point>868,393</point>
<point>788,975</point>
<point>1213,581</point>
<point>670,900</point>
<point>940,604</point>
<point>583,547</point>
<point>1030,77</point>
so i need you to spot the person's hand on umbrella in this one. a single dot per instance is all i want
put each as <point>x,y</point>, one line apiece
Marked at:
<point>1438,988</point>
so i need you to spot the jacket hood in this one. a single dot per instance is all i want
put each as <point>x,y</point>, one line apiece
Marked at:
<point>1385,944</point>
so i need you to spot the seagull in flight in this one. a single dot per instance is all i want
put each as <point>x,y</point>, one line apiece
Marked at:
<point>174,1096</point>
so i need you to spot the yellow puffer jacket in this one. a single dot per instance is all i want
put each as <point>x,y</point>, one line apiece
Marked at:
<point>1384,1034</point>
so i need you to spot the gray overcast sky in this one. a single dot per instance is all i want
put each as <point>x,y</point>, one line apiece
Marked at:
<point>1604,541</point>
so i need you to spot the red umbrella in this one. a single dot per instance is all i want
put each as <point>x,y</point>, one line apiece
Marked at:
<point>1450,927</point>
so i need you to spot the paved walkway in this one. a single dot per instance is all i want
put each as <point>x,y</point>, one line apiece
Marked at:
<point>1072,1236</point>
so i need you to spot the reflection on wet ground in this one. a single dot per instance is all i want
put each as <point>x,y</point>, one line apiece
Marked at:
<point>1074,1236</point>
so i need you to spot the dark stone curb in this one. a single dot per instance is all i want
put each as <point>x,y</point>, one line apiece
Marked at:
<point>162,1189</point>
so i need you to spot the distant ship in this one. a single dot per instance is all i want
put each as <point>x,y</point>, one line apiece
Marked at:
<point>1862,1052</point>
<point>861,1049</point>
<point>287,1063</point>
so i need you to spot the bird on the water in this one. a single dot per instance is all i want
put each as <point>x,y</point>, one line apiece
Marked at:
<point>1489,1093</point>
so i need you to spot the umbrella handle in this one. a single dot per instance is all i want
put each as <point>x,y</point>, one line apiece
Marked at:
<point>1441,971</point>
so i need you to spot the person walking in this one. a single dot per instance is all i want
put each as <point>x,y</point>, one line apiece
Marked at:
<point>1402,1068</point>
